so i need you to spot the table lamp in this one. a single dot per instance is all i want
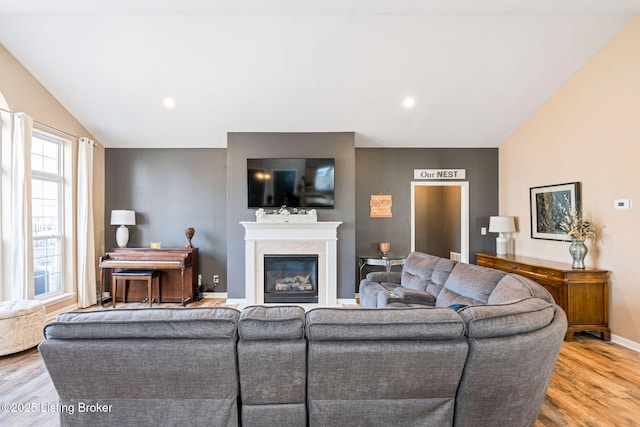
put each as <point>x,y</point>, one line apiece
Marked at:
<point>122,218</point>
<point>502,225</point>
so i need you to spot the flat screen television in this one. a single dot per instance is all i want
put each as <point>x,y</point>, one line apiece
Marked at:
<point>296,183</point>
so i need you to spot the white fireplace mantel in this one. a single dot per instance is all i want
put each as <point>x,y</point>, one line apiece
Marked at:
<point>320,238</point>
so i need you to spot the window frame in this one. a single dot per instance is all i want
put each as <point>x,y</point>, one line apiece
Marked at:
<point>66,207</point>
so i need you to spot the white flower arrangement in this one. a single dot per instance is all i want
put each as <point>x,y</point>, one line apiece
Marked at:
<point>284,214</point>
<point>579,227</point>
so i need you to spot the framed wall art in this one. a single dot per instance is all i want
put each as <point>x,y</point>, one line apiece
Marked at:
<point>550,205</point>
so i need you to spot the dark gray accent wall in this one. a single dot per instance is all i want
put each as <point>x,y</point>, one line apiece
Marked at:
<point>390,171</point>
<point>171,189</point>
<point>338,145</point>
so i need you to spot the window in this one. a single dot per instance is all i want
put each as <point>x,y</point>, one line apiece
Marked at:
<point>47,213</point>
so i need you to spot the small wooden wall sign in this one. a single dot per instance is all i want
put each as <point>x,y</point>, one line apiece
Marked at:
<point>380,206</point>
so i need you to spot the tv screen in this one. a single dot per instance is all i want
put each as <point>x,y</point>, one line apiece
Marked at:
<point>296,183</point>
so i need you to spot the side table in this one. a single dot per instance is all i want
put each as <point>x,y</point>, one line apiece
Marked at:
<point>387,263</point>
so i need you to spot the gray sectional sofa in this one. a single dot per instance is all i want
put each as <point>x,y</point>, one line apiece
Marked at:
<point>488,363</point>
<point>427,280</point>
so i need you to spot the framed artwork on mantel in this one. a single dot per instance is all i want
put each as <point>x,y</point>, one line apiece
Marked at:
<point>550,205</point>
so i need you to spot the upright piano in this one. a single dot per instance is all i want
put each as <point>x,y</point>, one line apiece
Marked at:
<point>178,271</point>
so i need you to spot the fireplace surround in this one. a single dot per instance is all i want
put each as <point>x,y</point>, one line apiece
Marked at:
<point>305,239</point>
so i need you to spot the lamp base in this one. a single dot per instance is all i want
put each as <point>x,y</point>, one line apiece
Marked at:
<point>502,245</point>
<point>122,236</point>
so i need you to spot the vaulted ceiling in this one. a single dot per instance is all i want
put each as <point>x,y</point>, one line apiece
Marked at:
<point>476,69</point>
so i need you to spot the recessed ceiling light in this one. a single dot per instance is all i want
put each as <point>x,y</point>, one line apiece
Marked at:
<point>169,103</point>
<point>408,102</point>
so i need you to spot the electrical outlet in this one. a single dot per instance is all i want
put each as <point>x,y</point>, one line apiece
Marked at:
<point>483,231</point>
<point>216,278</point>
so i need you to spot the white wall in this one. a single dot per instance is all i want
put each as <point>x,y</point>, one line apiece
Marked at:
<point>588,131</point>
<point>24,93</point>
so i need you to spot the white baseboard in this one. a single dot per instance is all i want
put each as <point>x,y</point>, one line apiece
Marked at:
<point>52,315</point>
<point>347,301</point>
<point>236,301</point>
<point>214,295</point>
<point>625,342</point>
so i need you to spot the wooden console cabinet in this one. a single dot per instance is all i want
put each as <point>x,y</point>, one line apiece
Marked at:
<point>583,294</point>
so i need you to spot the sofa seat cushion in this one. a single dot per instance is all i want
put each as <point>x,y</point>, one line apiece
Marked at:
<point>387,297</point>
<point>469,284</point>
<point>413,296</point>
<point>341,324</point>
<point>157,323</point>
<point>501,320</point>
<point>370,292</point>
<point>271,323</point>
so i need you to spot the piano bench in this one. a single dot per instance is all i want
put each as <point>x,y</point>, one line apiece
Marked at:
<point>127,275</point>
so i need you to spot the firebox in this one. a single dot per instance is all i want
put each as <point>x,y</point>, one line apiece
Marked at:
<point>291,278</point>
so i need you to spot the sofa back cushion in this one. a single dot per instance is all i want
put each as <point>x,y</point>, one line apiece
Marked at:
<point>505,379</point>
<point>384,366</point>
<point>469,284</point>
<point>157,366</point>
<point>367,324</point>
<point>426,272</point>
<point>272,366</point>
<point>260,322</point>
<point>159,323</point>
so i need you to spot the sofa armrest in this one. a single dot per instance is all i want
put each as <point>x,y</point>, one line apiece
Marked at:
<point>521,317</point>
<point>383,276</point>
<point>414,296</point>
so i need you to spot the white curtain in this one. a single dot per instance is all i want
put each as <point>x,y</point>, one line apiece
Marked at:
<point>86,245</point>
<point>21,261</point>
<point>3,120</point>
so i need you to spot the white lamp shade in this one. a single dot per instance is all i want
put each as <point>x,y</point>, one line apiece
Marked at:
<point>123,217</point>
<point>501,224</point>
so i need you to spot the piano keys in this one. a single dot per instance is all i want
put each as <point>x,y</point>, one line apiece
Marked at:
<point>178,267</point>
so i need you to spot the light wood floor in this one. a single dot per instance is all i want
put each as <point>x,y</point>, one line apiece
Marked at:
<point>595,384</point>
